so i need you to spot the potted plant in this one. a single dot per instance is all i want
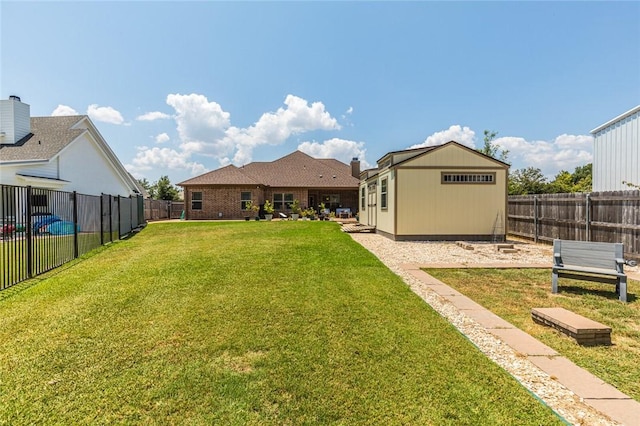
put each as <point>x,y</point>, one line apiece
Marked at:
<point>311,213</point>
<point>268,210</point>
<point>322,211</point>
<point>250,210</point>
<point>295,209</point>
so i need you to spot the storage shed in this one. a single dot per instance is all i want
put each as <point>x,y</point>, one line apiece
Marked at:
<point>616,152</point>
<point>445,192</point>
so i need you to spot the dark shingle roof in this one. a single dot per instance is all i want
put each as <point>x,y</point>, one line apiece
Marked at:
<point>49,135</point>
<point>291,171</point>
<point>228,175</point>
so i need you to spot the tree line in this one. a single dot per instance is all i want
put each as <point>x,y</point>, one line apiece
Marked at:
<point>162,189</point>
<point>531,180</point>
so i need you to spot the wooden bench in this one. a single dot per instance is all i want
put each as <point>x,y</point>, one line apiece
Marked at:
<point>585,331</point>
<point>589,261</point>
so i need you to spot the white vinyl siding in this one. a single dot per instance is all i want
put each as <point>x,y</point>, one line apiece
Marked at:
<point>616,154</point>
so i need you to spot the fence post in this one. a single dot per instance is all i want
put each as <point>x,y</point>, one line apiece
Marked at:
<point>110,219</point>
<point>535,218</point>
<point>131,212</point>
<point>588,217</point>
<point>75,225</point>
<point>119,219</point>
<point>29,233</point>
<point>102,218</point>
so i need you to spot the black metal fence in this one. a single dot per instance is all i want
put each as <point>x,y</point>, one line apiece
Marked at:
<point>599,216</point>
<point>42,229</point>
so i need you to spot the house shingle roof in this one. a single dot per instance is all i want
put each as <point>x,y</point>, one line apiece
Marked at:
<point>49,135</point>
<point>291,171</point>
<point>228,175</point>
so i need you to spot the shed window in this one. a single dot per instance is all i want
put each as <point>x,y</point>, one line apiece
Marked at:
<point>468,178</point>
<point>383,193</point>
<point>362,196</point>
<point>196,201</point>
<point>245,197</point>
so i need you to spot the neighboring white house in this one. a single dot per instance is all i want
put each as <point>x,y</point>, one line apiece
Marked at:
<point>65,153</point>
<point>616,152</point>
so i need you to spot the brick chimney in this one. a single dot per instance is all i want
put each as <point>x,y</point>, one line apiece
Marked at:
<point>15,120</point>
<point>355,168</point>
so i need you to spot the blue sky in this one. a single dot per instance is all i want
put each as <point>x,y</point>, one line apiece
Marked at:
<point>180,88</point>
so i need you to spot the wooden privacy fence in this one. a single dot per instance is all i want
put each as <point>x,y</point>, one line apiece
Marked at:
<point>612,217</point>
<point>162,209</point>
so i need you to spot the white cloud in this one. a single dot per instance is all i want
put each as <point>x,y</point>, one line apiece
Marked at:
<point>462,135</point>
<point>565,152</point>
<point>204,129</point>
<point>149,158</point>
<point>162,138</point>
<point>104,114</point>
<point>274,128</point>
<point>152,116</point>
<point>340,149</point>
<point>198,119</point>
<point>63,110</point>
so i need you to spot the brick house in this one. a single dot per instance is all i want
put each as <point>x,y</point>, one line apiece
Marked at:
<point>223,193</point>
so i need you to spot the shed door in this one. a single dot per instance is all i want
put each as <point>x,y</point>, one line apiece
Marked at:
<point>371,205</point>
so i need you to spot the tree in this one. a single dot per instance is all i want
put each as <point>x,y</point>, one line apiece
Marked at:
<point>145,184</point>
<point>162,189</point>
<point>578,181</point>
<point>491,149</point>
<point>528,181</point>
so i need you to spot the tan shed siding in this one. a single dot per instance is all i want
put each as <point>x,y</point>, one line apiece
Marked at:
<point>362,212</point>
<point>451,155</point>
<point>428,207</point>
<point>385,219</point>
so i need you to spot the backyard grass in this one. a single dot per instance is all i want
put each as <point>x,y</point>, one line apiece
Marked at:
<point>512,293</point>
<point>241,323</point>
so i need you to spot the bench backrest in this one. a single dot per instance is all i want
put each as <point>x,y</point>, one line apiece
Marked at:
<point>587,253</point>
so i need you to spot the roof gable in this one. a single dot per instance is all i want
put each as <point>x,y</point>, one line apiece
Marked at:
<point>472,157</point>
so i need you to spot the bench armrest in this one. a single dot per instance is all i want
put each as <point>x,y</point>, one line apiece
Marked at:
<point>557,259</point>
<point>619,261</point>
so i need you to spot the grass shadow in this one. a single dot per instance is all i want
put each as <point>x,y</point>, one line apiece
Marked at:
<point>608,294</point>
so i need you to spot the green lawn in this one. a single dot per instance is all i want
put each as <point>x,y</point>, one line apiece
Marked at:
<point>512,293</point>
<point>241,323</point>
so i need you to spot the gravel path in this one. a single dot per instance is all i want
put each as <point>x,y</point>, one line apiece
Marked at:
<point>395,253</point>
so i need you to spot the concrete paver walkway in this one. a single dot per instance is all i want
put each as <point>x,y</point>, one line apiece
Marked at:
<point>595,392</point>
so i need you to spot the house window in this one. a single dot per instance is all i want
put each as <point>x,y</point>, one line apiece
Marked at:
<point>196,201</point>
<point>383,193</point>
<point>245,197</point>
<point>468,178</point>
<point>331,201</point>
<point>362,196</point>
<point>281,201</point>
<point>39,200</point>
